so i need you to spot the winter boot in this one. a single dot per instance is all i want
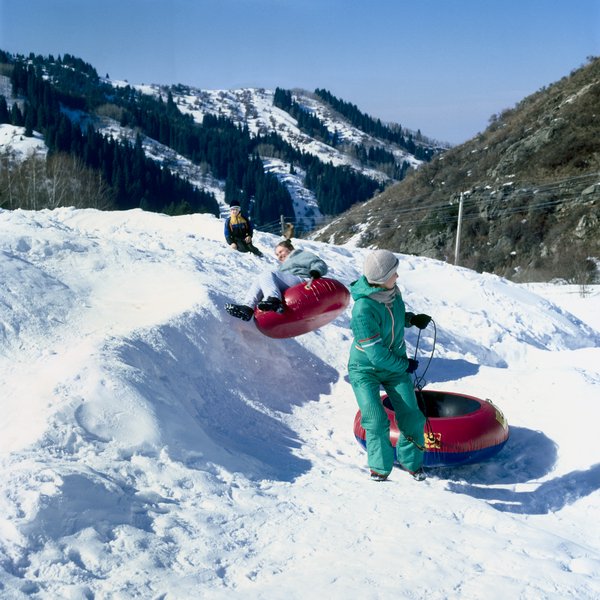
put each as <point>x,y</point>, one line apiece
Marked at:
<point>271,304</point>
<point>240,311</point>
<point>419,474</point>
<point>375,476</point>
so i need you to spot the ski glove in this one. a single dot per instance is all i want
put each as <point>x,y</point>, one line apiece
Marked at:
<point>315,274</point>
<point>421,321</point>
<point>413,365</point>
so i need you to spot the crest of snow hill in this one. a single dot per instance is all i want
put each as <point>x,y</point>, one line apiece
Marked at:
<point>530,183</point>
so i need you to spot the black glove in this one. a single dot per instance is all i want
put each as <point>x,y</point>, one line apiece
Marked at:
<point>413,365</point>
<point>314,274</point>
<point>421,321</point>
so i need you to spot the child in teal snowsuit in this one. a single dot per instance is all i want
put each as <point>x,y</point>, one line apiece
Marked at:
<point>378,358</point>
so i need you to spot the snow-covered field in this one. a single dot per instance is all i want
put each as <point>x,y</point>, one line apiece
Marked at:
<point>151,446</point>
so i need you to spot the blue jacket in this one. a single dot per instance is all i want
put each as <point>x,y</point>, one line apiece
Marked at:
<point>302,262</point>
<point>238,230</point>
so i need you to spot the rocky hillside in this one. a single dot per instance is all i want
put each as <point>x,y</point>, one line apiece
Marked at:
<point>530,185</point>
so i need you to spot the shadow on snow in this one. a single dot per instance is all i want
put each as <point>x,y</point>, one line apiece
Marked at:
<point>221,392</point>
<point>527,457</point>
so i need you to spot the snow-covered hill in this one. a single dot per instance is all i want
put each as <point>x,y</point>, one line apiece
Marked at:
<point>151,446</point>
<point>16,146</point>
<point>253,108</point>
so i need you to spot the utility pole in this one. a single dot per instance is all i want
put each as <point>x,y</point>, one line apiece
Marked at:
<point>458,229</point>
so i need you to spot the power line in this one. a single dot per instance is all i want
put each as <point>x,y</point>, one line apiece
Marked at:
<point>470,200</point>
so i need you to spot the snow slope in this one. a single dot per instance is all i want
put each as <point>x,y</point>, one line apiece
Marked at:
<point>16,146</point>
<point>151,446</point>
<point>253,108</point>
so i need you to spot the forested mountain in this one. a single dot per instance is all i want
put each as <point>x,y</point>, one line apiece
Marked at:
<point>180,150</point>
<point>530,183</point>
<point>530,188</point>
<point>55,109</point>
<point>405,139</point>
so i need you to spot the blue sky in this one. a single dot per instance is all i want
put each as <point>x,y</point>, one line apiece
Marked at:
<point>441,66</point>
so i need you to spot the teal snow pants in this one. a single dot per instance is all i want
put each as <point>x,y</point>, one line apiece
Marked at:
<point>410,419</point>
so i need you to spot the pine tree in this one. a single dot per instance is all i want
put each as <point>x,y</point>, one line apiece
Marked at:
<point>4,114</point>
<point>16,116</point>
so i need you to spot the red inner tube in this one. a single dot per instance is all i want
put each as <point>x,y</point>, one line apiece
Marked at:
<point>306,308</point>
<point>460,429</point>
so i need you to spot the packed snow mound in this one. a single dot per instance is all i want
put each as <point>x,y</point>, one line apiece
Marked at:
<point>153,445</point>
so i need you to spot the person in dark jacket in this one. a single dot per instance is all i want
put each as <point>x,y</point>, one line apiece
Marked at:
<point>378,358</point>
<point>238,230</point>
<point>265,292</point>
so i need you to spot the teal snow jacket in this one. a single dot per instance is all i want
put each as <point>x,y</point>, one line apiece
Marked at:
<point>302,262</point>
<point>378,331</point>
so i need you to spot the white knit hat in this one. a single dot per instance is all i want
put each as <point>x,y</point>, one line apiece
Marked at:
<point>380,265</point>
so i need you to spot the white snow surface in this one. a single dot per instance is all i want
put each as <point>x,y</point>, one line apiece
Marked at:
<point>17,146</point>
<point>151,446</point>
